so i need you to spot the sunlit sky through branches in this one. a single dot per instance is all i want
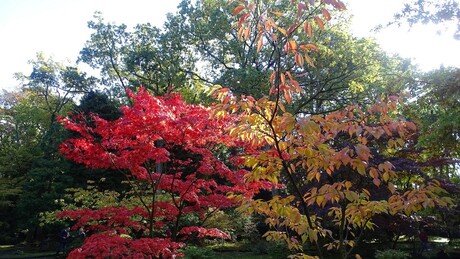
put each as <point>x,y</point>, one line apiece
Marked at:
<point>59,29</point>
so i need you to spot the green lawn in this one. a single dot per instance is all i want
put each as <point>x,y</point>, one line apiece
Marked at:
<point>244,250</point>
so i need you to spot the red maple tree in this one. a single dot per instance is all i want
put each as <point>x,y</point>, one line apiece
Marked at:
<point>167,149</point>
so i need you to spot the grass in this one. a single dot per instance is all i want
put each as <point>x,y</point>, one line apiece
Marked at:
<point>244,250</point>
<point>239,255</point>
<point>17,254</point>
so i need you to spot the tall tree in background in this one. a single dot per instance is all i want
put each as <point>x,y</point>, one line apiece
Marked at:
<point>144,57</point>
<point>444,13</point>
<point>30,155</point>
<point>346,71</point>
<point>435,109</point>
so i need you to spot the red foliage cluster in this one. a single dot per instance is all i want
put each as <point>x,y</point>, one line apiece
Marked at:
<point>168,145</point>
<point>204,232</point>
<point>107,245</point>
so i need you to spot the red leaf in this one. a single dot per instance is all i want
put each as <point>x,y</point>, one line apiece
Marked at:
<point>237,10</point>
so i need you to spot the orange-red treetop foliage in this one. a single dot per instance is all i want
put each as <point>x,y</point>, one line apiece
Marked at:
<point>170,146</point>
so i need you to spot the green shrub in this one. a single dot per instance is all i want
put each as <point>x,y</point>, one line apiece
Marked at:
<point>278,250</point>
<point>260,247</point>
<point>194,252</point>
<point>391,254</point>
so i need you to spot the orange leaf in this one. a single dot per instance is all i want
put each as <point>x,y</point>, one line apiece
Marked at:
<point>293,45</point>
<point>259,44</point>
<point>308,29</point>
<point>298,59</point>
<point>272,77</point>
<point>326,15</point>
<point>246,34</point>
<point>240,32</point>
<point>287,95</point>
<point>319,22</point>
<point>238,9</point>
<point>309,46</point>
<point>283,78</point>
<point>289,75</point>
<point>373,172</point>
<point>362,151</point>
<point>376,181</point>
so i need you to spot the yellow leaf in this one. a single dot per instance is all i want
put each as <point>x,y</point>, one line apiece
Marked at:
<point>400,141</point>
<point>309,61</point>
<point>238,9</point>
<point>386,176</point>
<point>361,168</point>
<point>292,45</point>
<point>391,187</point>
<point>348,184</point>
<point>373,172</point>
<point>349,195</point>
<point>319,200</point>
<point>366,192</point>
<point>277,13</point>
<point>381,167</point>
<point>283,31</point>
<point>318,176</point>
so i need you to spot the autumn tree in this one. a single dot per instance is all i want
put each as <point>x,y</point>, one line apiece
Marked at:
<point>167,150</point>
<point>444,13</point>
<point>144,55</point>
<point>335,167</point>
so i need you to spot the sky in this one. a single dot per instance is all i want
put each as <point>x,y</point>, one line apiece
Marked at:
<point>58,28</point>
